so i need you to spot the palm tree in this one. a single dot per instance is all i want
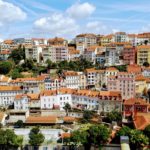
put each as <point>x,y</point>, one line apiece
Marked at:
<point>67,108</point>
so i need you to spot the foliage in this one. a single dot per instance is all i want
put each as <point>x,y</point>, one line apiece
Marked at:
<point>67,108</point>
<point>8,139</point>
<point>136,137</point>
<point>28,64</point>
<point>5,67</point>
<point>147,132</point>
<point>19,124</point>
<point>87,116</point>
<point>18,54</point>
<point>16,74</point>
<point>35,137</point>
<point>95,135</point>
<point>114,116</point>
<point>122,68</point>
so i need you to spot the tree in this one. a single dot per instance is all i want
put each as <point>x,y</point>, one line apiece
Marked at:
<point>138,139</point>
<point>18,54</point>
<point>9,140</point>
<point>147,132</point>
<point>95,135</point>
<point>28,64</point>
<point>114,116</point>
<point>36,138</point>
<point>19,124</point>
<point>16,74</point>
<point>67,108</point>
<point>5,67</point>
<point>87,116</point>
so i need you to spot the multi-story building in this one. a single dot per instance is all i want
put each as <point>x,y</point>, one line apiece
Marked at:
<point>5,80</point>
<point>86,39</point>
<point>123,82</point>
<point>135,105</point>
<point>143,39</point>
<point>8,93</point>
<point>106,40</point>
<point>57,41</point>
<point>111,56</point>
<point>71,79</point>
<point>120,37</point>
<point>34,52</point>
<point>58,53</point>
<point>146,72</point>
<point>39,41</point>
<point>143,54</point>
<point>129,53</point>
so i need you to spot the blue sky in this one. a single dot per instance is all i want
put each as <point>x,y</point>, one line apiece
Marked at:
<point>49,18</point>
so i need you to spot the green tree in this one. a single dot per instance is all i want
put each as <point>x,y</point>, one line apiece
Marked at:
<point>95,135</point>
<point>124,131</point>
<point>114,116</point>
<point>18,54</point>
<point>19,124</point>
<point>28,64</point>
<point>147,132</point>
<point>16,74</point>
<point>87,116</point>
<point>67,108</point>
<point>138,139</point>
<point>36,138</point>
<point>9,140</point>
<point>5,67</point>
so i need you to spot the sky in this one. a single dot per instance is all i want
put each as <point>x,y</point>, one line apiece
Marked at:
<point>67,18</point>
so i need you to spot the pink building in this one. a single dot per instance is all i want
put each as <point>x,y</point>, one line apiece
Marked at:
<point>123,82</point>
<point>129,54</point>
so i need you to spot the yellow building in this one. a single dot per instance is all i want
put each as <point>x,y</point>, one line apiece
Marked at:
<point>140,84</point>
<point>105,40</point>
<point>143,54</point>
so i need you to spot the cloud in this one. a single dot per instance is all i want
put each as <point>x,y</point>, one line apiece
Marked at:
<point>10,13</point>
<point>56,24</point>
<point>97,27</point>
<point>80,10</point>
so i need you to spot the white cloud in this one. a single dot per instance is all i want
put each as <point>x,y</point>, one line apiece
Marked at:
<point>56,24</point>
<point>80,10</point>
<point>96,27</point>
<point>10,13</point>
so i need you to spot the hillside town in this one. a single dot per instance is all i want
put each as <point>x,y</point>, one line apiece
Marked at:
<point>64,87</point>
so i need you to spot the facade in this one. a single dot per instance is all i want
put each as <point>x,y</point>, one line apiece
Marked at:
<point>111,56</point>
<point>120,37</point>
<point>129,55</point>
<point>7,95</point>
<point>143,54</point>
<point>123,82</point>
<point>71,79</point>
<point>33,52</point>
<point>58,53</point>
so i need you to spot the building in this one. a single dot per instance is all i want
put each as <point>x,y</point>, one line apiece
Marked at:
<point>123,82</point>
<point>106,40</point>
<point>120,37</point>
<point>129,54</point>
<point>7,95</point>
<point>135,105</point>
<point>143,54</point>
<point>71,79</point>
<point>58,53</point>
<point>111,56</point>
<point>146,72</point>
<point>86,39</point>
<point>33,52</point>
<point>57,41</point>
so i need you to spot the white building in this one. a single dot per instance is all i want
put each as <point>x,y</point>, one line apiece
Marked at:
<point>7,95</point>
<point>71,79</point>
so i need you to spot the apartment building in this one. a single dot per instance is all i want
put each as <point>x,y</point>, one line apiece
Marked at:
<point>86,39</point>
<point>123,82</point>
<point>57,41</point>
<point>143,54</point>
<point>120,37</point>
<point>33,52</point>
<point>7,95</point>
<point>129,54</point>
<point>111,56</point>
<point>103,101</point>
<point>58,53</point>
<point>106,40</point>
<point>71,79</point>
